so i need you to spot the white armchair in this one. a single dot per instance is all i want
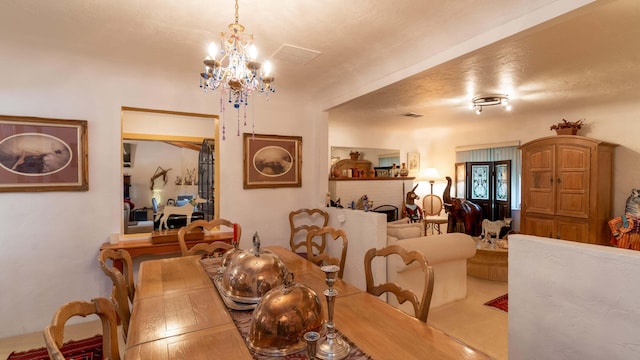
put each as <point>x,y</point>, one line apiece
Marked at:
<point>447,254</point>
<point>404,229</point>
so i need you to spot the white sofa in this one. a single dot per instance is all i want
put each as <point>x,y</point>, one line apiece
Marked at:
<point>446,253</point>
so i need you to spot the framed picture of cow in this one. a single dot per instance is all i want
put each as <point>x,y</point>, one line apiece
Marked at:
<point>272,161</point>
<point>42,154</point>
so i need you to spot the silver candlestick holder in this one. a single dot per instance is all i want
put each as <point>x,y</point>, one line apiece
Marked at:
<point>332,347</point>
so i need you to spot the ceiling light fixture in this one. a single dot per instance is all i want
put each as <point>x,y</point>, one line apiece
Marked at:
<point>237,73</point>
<point>479,102</point>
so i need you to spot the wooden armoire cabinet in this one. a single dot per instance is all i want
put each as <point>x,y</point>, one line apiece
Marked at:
<point>567,188</point>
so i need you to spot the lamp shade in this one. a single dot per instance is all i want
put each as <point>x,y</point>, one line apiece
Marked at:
<point>431,175</point>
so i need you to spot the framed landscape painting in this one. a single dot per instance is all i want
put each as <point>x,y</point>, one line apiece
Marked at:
<point>41,154</point>
<point>272,161</point>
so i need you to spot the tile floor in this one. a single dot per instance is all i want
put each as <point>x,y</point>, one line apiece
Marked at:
<point>482,327</point>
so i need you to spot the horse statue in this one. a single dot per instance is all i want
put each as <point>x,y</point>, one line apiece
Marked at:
<point>410,208</point>
<point>186,209</point>
<point>465,211</point>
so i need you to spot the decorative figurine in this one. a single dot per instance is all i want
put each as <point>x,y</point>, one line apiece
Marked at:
<point>189,178</point>
<point>410,208</point>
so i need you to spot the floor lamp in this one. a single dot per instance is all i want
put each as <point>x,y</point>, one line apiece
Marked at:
<point>431,175</point>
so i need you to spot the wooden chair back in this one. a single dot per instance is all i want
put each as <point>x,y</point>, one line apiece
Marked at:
<point>301,222</point>
<point>120,259</point>
<point>54,333</point>
<point>432,205</point>
<point>123,290</point>
<point>208,226</point>
<point>209,249</point>
<point>320,256</point>
<point>420,306</point>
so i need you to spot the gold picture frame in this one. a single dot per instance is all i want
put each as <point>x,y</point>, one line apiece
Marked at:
<point>43,154</point>
<point>272,161</point>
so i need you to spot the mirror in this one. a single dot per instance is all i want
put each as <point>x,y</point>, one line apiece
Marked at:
<point>163,163</point>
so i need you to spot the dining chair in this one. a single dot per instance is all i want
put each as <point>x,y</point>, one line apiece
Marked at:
<point>302,221</point>
<point>121,261</point>
<point>123,289</point>
<point>420,306</point>
<point>206,226</point>
<point>317,252</point>
<point>432,207</point>
<point>54,333</point>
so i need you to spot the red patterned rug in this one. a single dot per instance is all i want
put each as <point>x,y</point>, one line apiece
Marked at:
<point>500,303</point>
<point>85,349</point>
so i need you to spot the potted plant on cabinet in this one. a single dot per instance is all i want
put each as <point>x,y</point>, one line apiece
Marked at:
<point>567,127</point>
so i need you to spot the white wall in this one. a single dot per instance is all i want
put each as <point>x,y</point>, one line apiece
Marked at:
<point>572,301</point>
<point>50,240</point>
<point>364,230</point>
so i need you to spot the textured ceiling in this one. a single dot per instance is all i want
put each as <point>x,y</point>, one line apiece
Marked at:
<point>590,54</point>
<point>589,57</point>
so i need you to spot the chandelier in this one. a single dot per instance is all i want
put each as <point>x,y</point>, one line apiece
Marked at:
<point>479,102</point>
<point>233,68</point>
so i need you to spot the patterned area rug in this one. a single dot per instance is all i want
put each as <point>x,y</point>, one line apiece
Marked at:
<point>500,303</point>
<point>85,349</point>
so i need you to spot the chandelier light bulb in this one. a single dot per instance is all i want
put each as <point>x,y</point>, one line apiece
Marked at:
<point>267,68</point>
<point>253,52</point>
<point>212,50</point>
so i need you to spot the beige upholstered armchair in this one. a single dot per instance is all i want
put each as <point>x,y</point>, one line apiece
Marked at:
<point>404,229</point>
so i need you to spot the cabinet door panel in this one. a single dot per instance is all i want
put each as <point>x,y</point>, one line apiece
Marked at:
<point>538,226</point>
<point>572,204</point>
<point>573,181</point>
<point>537,173</point>
<point>574,230</point>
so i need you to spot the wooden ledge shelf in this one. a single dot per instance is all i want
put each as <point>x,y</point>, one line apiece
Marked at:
<point>372,178</point>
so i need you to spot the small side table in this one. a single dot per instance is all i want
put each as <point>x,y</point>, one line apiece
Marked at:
<point>490,263</point>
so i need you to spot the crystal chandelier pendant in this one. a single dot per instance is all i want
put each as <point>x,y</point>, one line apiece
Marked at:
<point>237,73</point>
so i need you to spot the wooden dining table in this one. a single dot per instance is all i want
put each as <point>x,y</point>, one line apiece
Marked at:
<point>179,314</point>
